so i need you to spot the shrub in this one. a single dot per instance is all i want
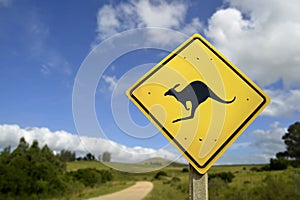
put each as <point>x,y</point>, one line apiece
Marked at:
<point>266,167</point>
<point>159,174</point>
<point>295,163</point>
<point>185,169</point>
<point>91,177</point>
<point>279,164</point>
<point>106,175</point>
<point>225,176</point>
<point>176,179</point>
<point>255,169</point>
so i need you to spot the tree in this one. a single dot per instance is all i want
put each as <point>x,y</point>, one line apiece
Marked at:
<point>66,156</point>
<point>106,156</point>
<point>23,144</point>
<point>89,157</point>
<point>282,155</point>
<point>292,141</point>
<point>30,172</point>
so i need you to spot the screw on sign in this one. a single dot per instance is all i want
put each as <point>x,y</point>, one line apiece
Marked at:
<point>199,101</point>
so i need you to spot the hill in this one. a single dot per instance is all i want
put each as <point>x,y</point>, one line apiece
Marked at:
<point>158,161</point>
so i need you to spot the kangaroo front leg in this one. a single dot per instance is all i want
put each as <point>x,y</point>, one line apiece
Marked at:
<point>185,106</point>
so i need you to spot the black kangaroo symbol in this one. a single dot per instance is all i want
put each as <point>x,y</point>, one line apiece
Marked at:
<point>196,92</point>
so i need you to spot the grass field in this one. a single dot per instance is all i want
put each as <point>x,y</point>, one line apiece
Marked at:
<point>246,184</point>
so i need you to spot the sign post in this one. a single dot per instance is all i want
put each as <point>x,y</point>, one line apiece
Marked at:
<point>198,185</point>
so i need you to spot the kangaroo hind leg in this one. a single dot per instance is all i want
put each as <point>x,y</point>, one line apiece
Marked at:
<point>186,118</point>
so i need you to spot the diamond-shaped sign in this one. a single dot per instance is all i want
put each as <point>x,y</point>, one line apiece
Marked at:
<point>199,100</point>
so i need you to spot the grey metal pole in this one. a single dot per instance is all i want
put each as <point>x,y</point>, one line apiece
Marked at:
<point>198,185</point>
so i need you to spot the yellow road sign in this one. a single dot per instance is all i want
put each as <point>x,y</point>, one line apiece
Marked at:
<point>199,100</point>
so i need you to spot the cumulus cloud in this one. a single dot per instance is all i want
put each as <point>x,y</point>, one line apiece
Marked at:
<point>285,103</point>
<point>58,140</point>
<point>137,14</point>
<point>261,37</point>
<point>269,142</point>
<point>261,145</point>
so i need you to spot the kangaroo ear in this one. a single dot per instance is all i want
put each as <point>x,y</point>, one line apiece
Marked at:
<point>175,86</point>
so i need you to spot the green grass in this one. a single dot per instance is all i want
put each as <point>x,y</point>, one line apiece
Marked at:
<point>134,168</point>
<point>174,186</point>
<point>247,184</point>
<point>73,166</point>
<point>163,190</point>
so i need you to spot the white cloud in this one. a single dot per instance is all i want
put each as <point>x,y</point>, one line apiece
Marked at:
<point>283,103</point>
<point>240,145</point>
<point>270,142</point>
<point>137,14</point>
<point>58,140</point>
<point>107,22</point>
<point>54,63</point>
<point>261,145</point>
<point>5,2</point>
<point>261,37</point>
<point>111,81</point>
<point>162,14</point>
<point>35,36</point>
<point>194,27</point>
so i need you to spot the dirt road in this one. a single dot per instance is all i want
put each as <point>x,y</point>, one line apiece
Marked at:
<point>135,192</point>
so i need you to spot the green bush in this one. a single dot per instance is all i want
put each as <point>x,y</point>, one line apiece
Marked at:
<point>265,168</point>
<point>279,164</point>
<point>159,174</point>
<point>227,177</point>
<point>175,179</point>
<point>255,169</point>
<point>90,177</point>
<point>185,169</point>
<point>295,163</point>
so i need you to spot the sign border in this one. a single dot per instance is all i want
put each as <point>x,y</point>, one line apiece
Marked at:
<point>228,64</point>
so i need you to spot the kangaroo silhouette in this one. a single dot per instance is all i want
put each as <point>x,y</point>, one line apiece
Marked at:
<point>196,92</point>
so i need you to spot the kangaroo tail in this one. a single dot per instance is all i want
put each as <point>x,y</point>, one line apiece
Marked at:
<point>217,98</point>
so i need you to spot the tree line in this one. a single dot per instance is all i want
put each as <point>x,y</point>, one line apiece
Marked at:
<point>31,172</point>
<point>105,157</point>
<point>69,156</point>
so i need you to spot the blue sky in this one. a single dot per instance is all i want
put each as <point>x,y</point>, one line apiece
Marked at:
<point>44,44</point>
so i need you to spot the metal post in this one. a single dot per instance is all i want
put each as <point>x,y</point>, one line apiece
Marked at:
<point>198,185</point>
